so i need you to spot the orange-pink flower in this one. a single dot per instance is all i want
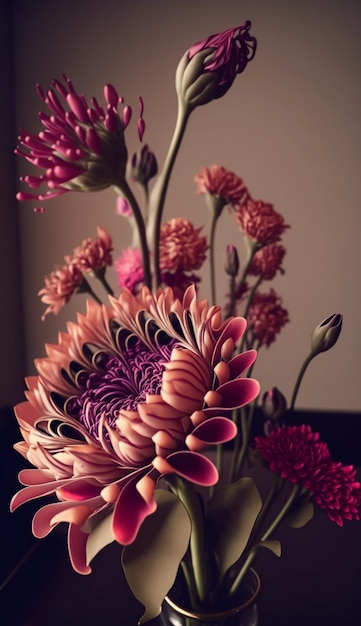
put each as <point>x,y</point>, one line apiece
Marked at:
<point>60,285</point>
<point>260,222</point>
<point>266,317</point>
<point>94,254</point>
<point>218,181</point>
<point>131,392</point>
<point>181,247</point>
<point>268,261</point>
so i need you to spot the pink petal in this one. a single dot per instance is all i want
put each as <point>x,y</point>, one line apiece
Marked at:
<point>241,363</point>
<point>216,430</point>
<point>77,549</point>
<point>129,513</point>
<point>194,467</point>
<point>237,393</point>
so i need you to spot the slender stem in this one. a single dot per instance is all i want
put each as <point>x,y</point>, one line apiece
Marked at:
<point>251,295</point>
<point>299,380</point>
<point>126,191</point>
<point>211,257</point>
<point>296,489</point>
<point>100,275</point>
<point>159,191</point>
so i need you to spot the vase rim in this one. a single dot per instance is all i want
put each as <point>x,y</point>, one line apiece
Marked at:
<point>214,616</point>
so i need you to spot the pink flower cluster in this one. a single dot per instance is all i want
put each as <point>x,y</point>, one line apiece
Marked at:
<point>268,261</point>
<point>92,255</point>
<point>260,222</point>
<point>296,453</point>
<point>218,181</point>
<point>266,317</point>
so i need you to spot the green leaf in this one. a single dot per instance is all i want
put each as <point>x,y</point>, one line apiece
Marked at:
<point>301,516</point>
<point>232,513</point>
<point>271,544</point>
<point>151,562</point>
<point>99,537</point>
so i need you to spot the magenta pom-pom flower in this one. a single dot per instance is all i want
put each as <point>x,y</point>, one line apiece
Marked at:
<point>131,392</point>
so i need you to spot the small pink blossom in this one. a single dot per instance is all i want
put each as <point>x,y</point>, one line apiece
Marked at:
<point>218,181</point>
<point>181,247</point>
<point>266,317</point>
<point>296,453</point>
<point>94,254</point>
<point>59,287</point>
<point>129,269</point>
<point>122,207</point>
<point>260,222</point>
<point>268,261</point>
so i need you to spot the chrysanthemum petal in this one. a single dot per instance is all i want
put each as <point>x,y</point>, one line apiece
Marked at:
<point>194,467</point>
<point>129,512</point>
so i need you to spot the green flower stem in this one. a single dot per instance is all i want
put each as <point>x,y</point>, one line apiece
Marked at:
<point>211,256</point>
<point>198,551</point>
<point>296,490</point>
<point>159,191</point>
<point>299,380</point>
<point>100,275</point>
<point>85,287</point>
<point>251,296</point>
<point>126,191</point>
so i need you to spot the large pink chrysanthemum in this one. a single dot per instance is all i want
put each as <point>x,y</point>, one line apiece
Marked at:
<point>266,317</point>
<point>260,222</point>
<point>82,146</point>
<point>132,392</point>
<point>296,453</point>
<point>216,180</point>
<point>181,246</point>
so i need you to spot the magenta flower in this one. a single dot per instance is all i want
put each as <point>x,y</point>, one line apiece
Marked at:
<point>82,146</point>
<point>268,261</point>
<point>129,269</point>
<point>94,254</point>
<point>222,183</point>
<point>132,392</point>
<point>296,453</point>
<point>260,222</point>
<point>266,317</point>
<point>60,286</point>
<point>181,246</point>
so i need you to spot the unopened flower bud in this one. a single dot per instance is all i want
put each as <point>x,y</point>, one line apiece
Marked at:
<point>143,166</point>
<point>274,405</point>
<point>232,261</point>
<point>207,70</point>
<point>326,334</point>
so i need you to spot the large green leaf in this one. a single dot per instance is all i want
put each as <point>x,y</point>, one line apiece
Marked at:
<point>301,516</point>
<point>151,562</point>
<point>99,537</point>
<point>232,513</point>
<point>271,544</point>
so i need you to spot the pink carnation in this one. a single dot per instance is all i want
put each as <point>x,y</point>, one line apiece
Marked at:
<point>266,317</point>
<point>181,247</point>
<point>129,269</point>
<point>217,181</point>
<point>94,254</point>
<point>59,287</point>
<point>296,453</point>
<point>260,222</point>
<point>268,261</point>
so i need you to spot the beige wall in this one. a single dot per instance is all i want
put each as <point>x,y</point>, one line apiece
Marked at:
<point>290,126</point>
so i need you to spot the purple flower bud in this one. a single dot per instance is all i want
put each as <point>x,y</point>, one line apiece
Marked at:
<point>143,166</point>
<point>232,261</point>
<point>326,334</point>
<point>274,405</point>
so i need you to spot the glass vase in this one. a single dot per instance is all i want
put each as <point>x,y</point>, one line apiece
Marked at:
<point>241,613</point>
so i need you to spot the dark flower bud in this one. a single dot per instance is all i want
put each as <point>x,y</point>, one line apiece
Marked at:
<point>143,166</point>
<point>326,334</point>
<point>274,405</point>
<point>232,261</point>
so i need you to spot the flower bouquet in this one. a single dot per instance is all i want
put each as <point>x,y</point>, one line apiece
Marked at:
<point>140,420</point>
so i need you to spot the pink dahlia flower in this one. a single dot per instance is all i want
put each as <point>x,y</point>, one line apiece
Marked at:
<point>94,254</point>
<point>181,247</point>
<point>217,181</point>
<point>60,285</point>
<point>260,222</point>
<point>82,146</point>
<point>268,261</point>
<point>296,453</point>
<point>129,269</point>
<point>132,392</point>
<point>266,317</point>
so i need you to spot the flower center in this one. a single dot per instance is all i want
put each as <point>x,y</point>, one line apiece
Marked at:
<point>120,382</point>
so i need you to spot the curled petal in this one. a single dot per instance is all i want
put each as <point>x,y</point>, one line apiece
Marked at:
<point>194,467</point>
<point>237,393</point>
<point>129,512</point>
